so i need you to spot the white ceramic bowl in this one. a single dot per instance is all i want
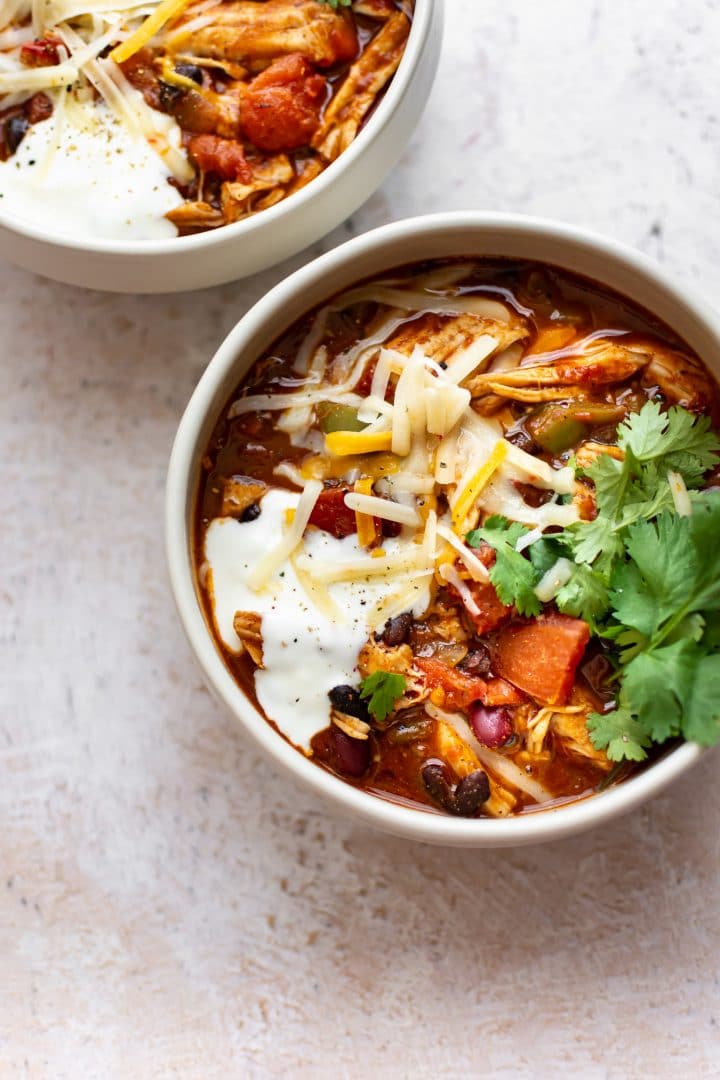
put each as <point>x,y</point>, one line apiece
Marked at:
<point>452,234</point>
<point>234,251</point>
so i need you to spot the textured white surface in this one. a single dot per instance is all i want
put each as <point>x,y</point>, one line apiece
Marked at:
<point>169,906</point>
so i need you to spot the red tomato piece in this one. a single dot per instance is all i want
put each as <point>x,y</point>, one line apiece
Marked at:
<point>281,109</point>
<point>332,515</point>
<point>500,692</point>
<point>462,690</point>
<point>493,613</point>
<point>542,655</point>
<point>223,157</point>
<point>42,52</point>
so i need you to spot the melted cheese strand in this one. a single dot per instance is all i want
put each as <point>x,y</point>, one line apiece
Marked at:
<point>382,508</point>
<point>449,574</point>
<point>267,566</point>
<point>477,569</point>
<point>163,13</point>
<point>464,502</point>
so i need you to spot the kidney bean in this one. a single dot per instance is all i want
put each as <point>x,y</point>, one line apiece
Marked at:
<point>395,631</point>
<point>492,726</point>
<point>353,755</point>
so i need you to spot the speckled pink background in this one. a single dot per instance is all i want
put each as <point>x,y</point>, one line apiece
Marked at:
<point>169,906</point>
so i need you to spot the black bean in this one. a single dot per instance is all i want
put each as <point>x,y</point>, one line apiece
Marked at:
<point>15,131</point>
<point>251,512</point>
<point>346,699</point>
<point>438,786</point>
<point>170,95</point>
<point>190,71</point>
<point>471,793</point>
<point>477,662</point>
<point>395,631</point>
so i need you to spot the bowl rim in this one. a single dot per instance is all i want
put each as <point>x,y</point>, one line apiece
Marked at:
<point>421,24</point>
<point>409,822</point>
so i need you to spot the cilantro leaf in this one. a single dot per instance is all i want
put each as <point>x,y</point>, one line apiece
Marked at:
<point>513,576</point>
<point>585,596</point>
<point>335,4</point>
<point>637,488</point>
<point>701,712</point>
<point>654,687</point>
<point>619,734</point>
<point>676,439</point>
<point>655,582</point>
<point>382,688</point>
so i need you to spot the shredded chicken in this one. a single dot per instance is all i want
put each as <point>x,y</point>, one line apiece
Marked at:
<point>239,493</point>
<point>363,83</point>
<point>604,366</point>
<point>238,199</point>
<point>196,215</point>
<point>247,626</point>
<point>590,451</point>
<point>682,381</point>
<point>443,339</point>
<point>255,33</point>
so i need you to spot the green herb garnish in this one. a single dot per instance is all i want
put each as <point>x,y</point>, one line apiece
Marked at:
<point>335,4</point>
<point>646,579</point>
<point>382,688</point>
<point>513,576</point>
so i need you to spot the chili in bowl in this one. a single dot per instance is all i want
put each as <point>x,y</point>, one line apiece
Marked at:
<point>439,528</point>
<point>183,143</point>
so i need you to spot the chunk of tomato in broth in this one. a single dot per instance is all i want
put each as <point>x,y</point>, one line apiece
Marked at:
<point>541,656</point>
<point>223,157</point>
<point>281,106</point>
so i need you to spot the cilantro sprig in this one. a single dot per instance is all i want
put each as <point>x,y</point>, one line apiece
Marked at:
<point>646,579</point>
<point>335,4</point>
<point>381,690</point>
<point>636,488</point>
<point>665,611</point>
<point>513,576</point>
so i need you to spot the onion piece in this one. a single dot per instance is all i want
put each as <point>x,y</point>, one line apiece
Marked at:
<point>679,493</point>
<point>553,580</point>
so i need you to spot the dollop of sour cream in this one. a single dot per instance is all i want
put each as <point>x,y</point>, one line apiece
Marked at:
<point>307,650</point>
<point>85,175</point>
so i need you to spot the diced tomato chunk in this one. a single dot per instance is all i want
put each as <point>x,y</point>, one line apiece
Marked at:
<point>139,70</point>
<point>542,655</point>
<point>332,515</point>
<point>42,52</point>
<point>500,692</point>
<point>461,689</point>
<point>223,157</point>
<point>493,613</point>
<point>281,109</point>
